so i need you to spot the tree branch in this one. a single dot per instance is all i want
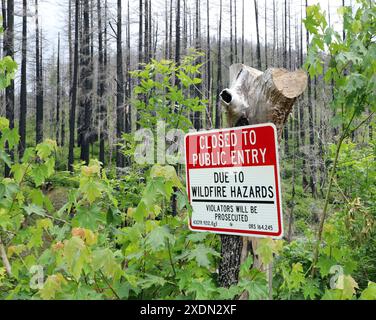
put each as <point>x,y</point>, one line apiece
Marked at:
<point>4,258</point>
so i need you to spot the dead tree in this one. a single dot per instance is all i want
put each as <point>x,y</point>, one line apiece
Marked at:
<point>39,79</point>
<point>120,116</point>
<point>87,85</point>
<point>258,49</point>
<point>58,91</point>
<point>73,89</point>
<point>9,91</point>
<point>23,92</point>
<point>253,98</point>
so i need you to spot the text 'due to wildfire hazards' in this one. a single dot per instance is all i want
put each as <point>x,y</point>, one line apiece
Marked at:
<point>233,181</point>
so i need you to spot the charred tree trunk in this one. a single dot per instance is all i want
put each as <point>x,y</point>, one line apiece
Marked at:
<point>70,72</point>
<point>243,32</point>
<point>170,51</point>
<point>39,80</point>
<point>178,38</point>
<point>198,89</point>
<point>258,49</point>
<point>73,90</point>
<point>255,97</point>
<point>231,35</point>
<point>286,128</point>
<point>9,91</point>
<point>218,114</point>
<point>166,31</point>
<point>266,36</point>
<point>236,31</point>
<point>87,86</point>
<point>312,179</point>
<point>146,33</point>
<point>302,114</point>
<point>102,114</point>
<point>209,113</point>
<point>58,92</point>
<point>23,93</point>
<point>120,87</point>
<point>140,48</point>
<point>128,127</point>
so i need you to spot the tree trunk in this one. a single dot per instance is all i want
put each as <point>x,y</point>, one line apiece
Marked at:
<point>243,32</point>
<point>73,91</point>
<point>39,80</point>
<point>120,87</point>
<point>218,113</point>
<point>102,114</point>
<point>58,92</point>
<point>23,94</point>
<point>301,113</point>
<point>140,48</point>
<point>236,31</point>
<point>9,91</point>
<point>285,64</point>
<point>87,86</point>
<point>170,34</point>
<point>231,36</point>
<point>266,36</point>
<point>209,113</point>
<point>128,128</point>
<point>312,180</point>
<point>255,97</point>
<point>258,49</point>
<point>274,31</point>
<point>146,33</point>
<point>198,89</point>
<point>177,41</point>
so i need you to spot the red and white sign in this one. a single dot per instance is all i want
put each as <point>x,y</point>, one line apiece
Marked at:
<point>233,181</point>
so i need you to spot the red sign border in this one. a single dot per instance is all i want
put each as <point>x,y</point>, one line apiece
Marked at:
<point>259,234</point>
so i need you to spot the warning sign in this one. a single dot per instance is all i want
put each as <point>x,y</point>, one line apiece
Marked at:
<point>233,181</point>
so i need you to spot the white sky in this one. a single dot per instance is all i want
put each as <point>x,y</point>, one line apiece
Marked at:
<point>54,17</point>
<point>55,14</point>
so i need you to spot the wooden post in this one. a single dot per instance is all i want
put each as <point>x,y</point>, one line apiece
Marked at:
<point>255,97</point>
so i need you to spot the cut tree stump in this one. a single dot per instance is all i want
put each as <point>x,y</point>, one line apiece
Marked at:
<point>255,97</point>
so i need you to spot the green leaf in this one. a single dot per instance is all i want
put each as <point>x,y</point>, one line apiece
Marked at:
<point>92,190</point>
<point>75,256</point>
<point>39,174</point>
<point>296,276</point>
<point>324,264</point>
<point>311,290</point>
<point>105,261</point>
<point>141,212</point>
<point>196,237</point>
<point>52,286</point>
<point>158,237</point>
<point>370,292</point>
<point>256,285</point>
<point>246,267</point>
<point>4,123</point>
<point>349,286</point>
<point>45,149</point>
<point>6,158</point>
<point>266,248</point>
<point>36,238</point>
<point>201,255</point>
<point>265,251</point>
<point>152,280</point>
<point>89,218</point>
<point>334,294</point>
<point>34,209</point>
